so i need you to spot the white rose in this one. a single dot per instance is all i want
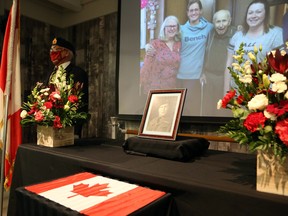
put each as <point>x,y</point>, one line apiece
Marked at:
<point>258,102</point>
<point>23,114</point>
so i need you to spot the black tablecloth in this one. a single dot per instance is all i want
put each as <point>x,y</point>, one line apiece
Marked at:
<point>219,183</point>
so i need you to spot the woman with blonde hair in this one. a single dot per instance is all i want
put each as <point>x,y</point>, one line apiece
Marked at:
<point>160,69</point>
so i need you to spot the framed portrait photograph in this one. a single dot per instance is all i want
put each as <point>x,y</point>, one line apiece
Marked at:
<point>162,114</point>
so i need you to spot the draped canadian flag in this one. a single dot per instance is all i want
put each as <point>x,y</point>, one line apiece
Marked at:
<point>92,194</point>
<point>10,86</point>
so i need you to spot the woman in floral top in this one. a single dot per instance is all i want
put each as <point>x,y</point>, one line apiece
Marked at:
<point>161,65</point>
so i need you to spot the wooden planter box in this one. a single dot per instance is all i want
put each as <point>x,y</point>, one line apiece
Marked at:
<point>52,137</point>
<point>272,176</point>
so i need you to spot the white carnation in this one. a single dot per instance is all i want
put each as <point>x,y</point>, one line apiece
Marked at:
<point>271,116</point>
<point>279,87</point>
<point>23,114</point>
<point>219,104</point>
<point>286,95</point>
<point>277,77</point>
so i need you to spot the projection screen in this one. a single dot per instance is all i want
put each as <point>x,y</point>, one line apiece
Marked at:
<point>140,22</point>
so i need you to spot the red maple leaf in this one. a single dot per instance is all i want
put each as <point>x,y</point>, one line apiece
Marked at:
<point>85,190</point>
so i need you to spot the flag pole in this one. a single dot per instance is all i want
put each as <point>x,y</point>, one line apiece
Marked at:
<point>3,152</point>
<point>10,61</point>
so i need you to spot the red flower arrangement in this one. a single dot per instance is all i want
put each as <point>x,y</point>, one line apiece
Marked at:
<point>58,105</point>
<point>259,102</point>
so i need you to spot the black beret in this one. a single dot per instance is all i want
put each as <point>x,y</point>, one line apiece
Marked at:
<point>63,43</point>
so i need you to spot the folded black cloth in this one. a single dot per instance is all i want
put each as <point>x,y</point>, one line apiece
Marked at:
<point>182,149</point>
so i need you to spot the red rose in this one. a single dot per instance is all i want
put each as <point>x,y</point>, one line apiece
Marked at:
<point>73,98</point>
<point>254,121</point>
<point>282,130</point>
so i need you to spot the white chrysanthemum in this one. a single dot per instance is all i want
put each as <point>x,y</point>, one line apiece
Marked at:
<point>279,87</point>
<point>258,102</point>
<point>270,116</point>
<point>277,77</point>
<point>219,104</point>
<point>23,114</point>
<point>245,78</point>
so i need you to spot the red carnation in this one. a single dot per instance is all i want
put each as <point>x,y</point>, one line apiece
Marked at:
<point>240,99</point>
<point>73,98</point>
<point>33,109</point>
<point>282,130</point>
<point>39,116</point>
<point>54,96</point>
<point>227,98</point>
<point>278,109</point>
<point>57,122</point>
<point>48,105</point>
<point>254,121</point>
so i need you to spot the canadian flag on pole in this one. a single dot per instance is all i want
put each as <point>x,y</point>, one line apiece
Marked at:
<point>10,86</point>
<point>91,194</point>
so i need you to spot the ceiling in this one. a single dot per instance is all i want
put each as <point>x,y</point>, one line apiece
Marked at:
<point>63,5</point>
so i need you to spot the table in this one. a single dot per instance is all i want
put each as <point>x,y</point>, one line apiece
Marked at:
<point>218,183</point>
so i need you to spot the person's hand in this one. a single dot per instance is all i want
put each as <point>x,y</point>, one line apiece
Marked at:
<point>150,50</point>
